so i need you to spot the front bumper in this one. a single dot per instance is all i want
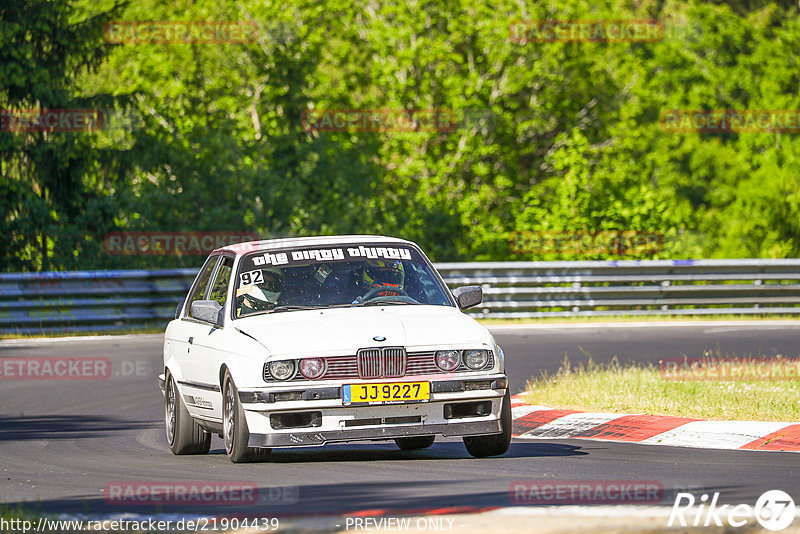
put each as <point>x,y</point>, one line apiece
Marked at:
<point>322,418</point>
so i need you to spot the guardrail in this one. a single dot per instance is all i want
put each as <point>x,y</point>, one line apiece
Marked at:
<point>90,300</point>
<point>654,287</point>
<point>110,300</point>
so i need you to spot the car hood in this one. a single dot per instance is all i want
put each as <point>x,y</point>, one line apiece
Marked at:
<point>345,330</point>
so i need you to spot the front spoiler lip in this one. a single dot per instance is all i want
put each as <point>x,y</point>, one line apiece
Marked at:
<point>306,439</point>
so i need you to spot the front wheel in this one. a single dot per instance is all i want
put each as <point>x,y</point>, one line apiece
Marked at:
<point>493,444</point>
<point>184,435</point>
<point>235,432</point>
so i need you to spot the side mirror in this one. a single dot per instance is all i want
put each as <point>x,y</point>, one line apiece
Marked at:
<point>468,296</point>
<point>207,310</point>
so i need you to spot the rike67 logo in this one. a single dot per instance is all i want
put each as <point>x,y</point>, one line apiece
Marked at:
<point>774,510</point>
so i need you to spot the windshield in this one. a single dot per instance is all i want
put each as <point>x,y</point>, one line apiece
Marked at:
<point>352,275</point>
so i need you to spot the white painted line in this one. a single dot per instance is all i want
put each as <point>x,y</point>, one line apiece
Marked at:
<point>650,324</point>
<point>50,340</point>
<point>519,411</point>
<point>715,434</point>
<point>584,511</point>
<point>570,425</point>
<point>609,511</point>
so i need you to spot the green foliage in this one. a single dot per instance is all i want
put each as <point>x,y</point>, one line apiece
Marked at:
<point>560,136</point>
<point>56,186</point>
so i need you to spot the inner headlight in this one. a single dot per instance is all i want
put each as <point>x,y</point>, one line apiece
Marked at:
<point>312,368</point>
<point>476,359</point>
<point>448,360</point>
<point>282,369</point>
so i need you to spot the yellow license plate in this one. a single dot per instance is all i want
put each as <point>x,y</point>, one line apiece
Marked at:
<point>386,393</point>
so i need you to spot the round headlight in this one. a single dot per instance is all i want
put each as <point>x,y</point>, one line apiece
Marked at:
<point>282,369</point>
<point>448,360</point>
<point>312,368</point>
<point>476,359</point>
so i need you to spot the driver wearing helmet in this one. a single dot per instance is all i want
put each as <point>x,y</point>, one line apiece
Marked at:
<point>384,274</point>
<point>261,296</point>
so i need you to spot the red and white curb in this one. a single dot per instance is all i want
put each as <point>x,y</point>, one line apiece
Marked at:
<point>542,422</point>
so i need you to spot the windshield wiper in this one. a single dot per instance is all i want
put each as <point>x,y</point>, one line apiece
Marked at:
<point>292,308</point>
<point>383,302</point>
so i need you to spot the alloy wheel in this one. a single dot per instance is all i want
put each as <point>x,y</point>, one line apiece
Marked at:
<point>229,421</point>
<point>169,411</point>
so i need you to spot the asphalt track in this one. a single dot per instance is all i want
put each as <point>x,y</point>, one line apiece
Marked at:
<point>63,442</point>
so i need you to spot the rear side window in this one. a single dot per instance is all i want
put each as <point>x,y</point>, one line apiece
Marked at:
<point>202,283</point>
<point>219,291</point>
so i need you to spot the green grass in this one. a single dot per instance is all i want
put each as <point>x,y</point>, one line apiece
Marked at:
<point>640,389</point>
<point>6,512</point>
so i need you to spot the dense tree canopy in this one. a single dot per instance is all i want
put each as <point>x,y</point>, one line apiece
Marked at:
<point>545,137</point>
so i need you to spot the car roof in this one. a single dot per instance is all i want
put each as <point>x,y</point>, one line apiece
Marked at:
<point>327,240</point>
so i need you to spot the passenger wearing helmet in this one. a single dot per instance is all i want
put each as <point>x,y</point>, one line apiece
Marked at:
<point>261,296</point>
<point>384,274</point>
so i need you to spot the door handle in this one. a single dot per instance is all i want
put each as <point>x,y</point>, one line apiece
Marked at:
<point>191,340</point>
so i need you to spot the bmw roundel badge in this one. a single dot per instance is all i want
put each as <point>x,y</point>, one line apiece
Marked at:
<point>379,338</point>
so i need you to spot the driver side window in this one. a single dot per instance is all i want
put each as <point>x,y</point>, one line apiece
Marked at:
<point>202,283</point>
<point>219,291</point>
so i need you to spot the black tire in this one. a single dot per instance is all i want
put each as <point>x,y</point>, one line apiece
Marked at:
<point>184,435</point>
<point>493,444</point>
<point>417,442</point>
<point>235,433</point>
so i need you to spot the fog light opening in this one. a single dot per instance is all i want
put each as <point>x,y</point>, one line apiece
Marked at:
<point>279,421</point>
<point>467,409</point>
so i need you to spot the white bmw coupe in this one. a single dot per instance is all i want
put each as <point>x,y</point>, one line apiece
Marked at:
<point>308,341</point>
